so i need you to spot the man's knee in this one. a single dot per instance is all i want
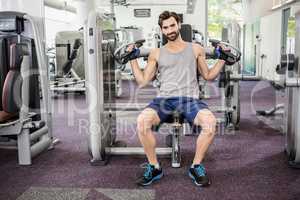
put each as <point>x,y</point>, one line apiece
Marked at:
<point>209,125</point>
<point>207,121</point>
<point>142,124</point>
<point>146,120</point>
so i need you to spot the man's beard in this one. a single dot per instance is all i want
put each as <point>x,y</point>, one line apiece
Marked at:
<point>172,36</point>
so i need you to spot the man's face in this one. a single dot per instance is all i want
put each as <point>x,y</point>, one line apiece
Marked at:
<point>170,28</point>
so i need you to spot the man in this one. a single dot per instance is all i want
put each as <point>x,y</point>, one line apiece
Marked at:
<point>177,62</point>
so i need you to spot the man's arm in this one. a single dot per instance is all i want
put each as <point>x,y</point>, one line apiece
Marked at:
<point>207,74</point>
<point>145,76</point>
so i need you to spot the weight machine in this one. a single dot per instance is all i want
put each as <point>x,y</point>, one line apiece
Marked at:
<point>23,76</point>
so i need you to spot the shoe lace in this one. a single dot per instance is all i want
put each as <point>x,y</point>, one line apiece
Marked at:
<point>148,170</point>
<point>200,170</point>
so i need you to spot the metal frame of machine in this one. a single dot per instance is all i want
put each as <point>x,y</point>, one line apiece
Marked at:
<point>290,63</point>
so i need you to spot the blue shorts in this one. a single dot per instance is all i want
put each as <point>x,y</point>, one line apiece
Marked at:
<point>188,107</point>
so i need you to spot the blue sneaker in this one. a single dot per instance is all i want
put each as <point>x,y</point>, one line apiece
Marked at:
<point>199,176</point>
<point>150,175</point>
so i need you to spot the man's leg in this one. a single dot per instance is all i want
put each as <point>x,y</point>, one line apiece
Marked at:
<point>145,121</point>
<point>207,121</point>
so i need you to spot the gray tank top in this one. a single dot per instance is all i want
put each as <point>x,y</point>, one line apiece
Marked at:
<point>178,73</point>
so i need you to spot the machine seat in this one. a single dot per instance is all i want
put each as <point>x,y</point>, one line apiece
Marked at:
<point>175,115</point>
<point>171,120</point>
<point>181,120</point>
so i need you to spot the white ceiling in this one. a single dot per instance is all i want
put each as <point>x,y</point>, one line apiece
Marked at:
<point>150,2</point>
<point>140,2</point>
<point>106,4</point>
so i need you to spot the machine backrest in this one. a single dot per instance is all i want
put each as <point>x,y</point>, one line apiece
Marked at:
<point>12,88</point>
<point>10,77</point>
<point>4,66</point>
<point>11,97</point>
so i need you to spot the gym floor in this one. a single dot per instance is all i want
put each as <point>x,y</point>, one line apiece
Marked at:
<point>247,164</point>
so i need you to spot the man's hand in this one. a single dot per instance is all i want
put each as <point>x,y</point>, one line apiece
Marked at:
<point>131,53</point>
<point>220,49</point>
<point>224,53</point>
<point>130,47</point>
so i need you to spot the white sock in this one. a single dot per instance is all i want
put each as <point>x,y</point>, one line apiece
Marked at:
<point>193,165</point>
<point>156,166</point>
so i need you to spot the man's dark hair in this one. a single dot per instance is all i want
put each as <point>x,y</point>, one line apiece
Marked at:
<point>166,15</point>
